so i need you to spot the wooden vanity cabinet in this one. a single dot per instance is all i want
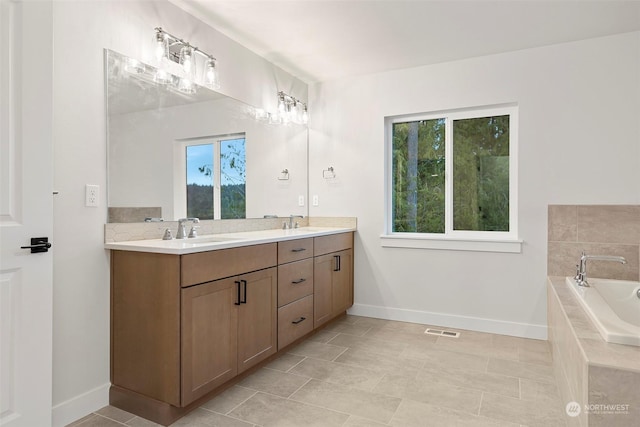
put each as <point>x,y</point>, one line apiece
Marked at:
<point>182,325</point>
<point>332,276</point>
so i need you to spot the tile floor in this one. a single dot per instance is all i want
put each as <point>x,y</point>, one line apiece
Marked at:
<point>363,372</point>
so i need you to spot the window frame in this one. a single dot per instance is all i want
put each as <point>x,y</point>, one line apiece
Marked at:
<point>180,170</point>
<point>492,241</point>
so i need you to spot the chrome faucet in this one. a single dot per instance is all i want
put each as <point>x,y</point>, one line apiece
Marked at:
<point>291,224</point>
<point>581,272</point>
<point>182,231</point>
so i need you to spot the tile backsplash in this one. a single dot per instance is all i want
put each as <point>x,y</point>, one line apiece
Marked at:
<point>122,232</point>
<point>598,230</point>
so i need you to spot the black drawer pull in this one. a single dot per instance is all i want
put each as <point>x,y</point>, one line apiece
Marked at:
<point>295,322</point>
<point>296,282</point>
<point>244,285</point>
<point>299,250</point>
<point>239,300</point>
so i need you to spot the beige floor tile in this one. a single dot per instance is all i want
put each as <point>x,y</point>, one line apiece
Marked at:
<point>354,421</point>
<point>338,373</point>
<point>410,338</point>
<point>285,362</point>
<point>318,350</point>
<point>203,418</point>
<point>94,420</point>
<point>141,422</point>
<point>272,411</point>
<point>381,363</point>
<point>349,328</point>
<point>345,399</point>
<point>434,357</point>
<point>536,391</point>
<point>434,393</point>
<point>532,414</point>
<point>389,348</point>
<point>372,321</point>
<point>115,414</point>
<point>274,382</point>
<point>229,399</point>
<point>416,414</point>
<point>479,343</point>
<point>323,336</point>
<point>482,381</point>
<point>532,371</point>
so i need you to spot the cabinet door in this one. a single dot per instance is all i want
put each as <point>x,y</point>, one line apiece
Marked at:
<point>209,337</point>
<point>341,282</point>
<point>257,322</point>
<point>333,285</point>
<point>322,289</point>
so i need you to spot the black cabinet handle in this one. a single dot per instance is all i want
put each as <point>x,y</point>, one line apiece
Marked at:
<point>296,282</point>
<point>244,285</point>
<point>295,322</point>
<point>299,250</point>
<point>337,259</point>
<point>238,300</point>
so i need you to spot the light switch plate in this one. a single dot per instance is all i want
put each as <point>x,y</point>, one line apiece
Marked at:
<point>315,200</point>
<point>300,200</point>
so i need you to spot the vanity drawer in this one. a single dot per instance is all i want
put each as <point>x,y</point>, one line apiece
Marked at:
<point>295,280</point>
<point>294,321</point>
<point>204,267</point>
<point>294,250</point>
<point>333,243</point>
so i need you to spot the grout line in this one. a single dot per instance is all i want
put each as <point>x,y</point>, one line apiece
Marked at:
<point>111,419</point>
<point>303,359</point>
<point>298,389</point>
<point>480,405</point>
<point>341,353</point>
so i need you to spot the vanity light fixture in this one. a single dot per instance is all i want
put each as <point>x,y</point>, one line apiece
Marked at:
<point>329,173</point>
<point>291,109</point>
<point>173,49</point>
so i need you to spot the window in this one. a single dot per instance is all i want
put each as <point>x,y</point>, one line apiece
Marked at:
<point>452,176</point>
<point>216,177</point>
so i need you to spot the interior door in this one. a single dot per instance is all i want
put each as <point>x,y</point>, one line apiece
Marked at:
<point>26,174</point>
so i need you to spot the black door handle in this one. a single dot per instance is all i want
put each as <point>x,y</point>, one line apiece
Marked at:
<point>38,245</point>
<point>244,285</point>
<point>238,300</point>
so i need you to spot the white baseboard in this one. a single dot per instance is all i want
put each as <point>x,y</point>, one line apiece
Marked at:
<point>501,327</point>
<point>77,407</point>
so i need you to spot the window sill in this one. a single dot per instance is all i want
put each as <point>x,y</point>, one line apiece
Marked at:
<point>450,244</point>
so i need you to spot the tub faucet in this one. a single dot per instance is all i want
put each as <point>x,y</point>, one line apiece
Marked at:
<point>581,273</point>
<point>182,231</point>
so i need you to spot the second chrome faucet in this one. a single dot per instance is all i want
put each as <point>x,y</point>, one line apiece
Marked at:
<point>581,268</point>
<point>182,231</point>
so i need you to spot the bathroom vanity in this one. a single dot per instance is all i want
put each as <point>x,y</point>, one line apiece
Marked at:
<point>188,318</point>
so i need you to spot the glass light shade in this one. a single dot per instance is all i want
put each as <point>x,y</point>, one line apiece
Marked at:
<point>162,77</point>
<point>305,115</point>
<point>187,60</point>
<point>186,86</point>
<point>161,46</point>
<point>211,78</point>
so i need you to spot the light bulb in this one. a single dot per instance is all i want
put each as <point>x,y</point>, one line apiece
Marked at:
<point>186,59</point>
<point>211,74</point>
<point>282,108</point>
<point>161,46</point>
<point>161,77</point>
<point>305,115</point>
<point>186,86</point>
<point>293,112</point>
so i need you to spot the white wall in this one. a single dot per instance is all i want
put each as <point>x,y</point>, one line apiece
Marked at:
<point>579,143</point>
<point>82,29</point>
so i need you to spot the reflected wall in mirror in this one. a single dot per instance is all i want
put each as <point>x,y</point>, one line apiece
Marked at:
<point>173,155</point>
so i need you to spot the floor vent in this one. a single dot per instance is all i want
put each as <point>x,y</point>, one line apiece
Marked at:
<point>440,333</point>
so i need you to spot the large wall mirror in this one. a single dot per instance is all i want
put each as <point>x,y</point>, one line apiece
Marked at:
<point>173,154</point>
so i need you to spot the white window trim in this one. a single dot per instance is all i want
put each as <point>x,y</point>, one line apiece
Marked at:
<point>180,171</point>
<point>486,241</point>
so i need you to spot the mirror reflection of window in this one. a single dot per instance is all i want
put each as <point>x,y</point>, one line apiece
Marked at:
<point>216,178</point>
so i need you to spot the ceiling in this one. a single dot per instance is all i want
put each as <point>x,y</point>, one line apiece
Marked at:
<point>320,40</point>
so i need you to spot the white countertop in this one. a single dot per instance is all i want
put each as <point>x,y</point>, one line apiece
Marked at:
<point>213,242</point>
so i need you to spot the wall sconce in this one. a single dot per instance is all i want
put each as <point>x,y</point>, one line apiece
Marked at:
<point>171,48</point>
<point>291,109</point>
